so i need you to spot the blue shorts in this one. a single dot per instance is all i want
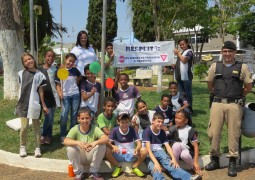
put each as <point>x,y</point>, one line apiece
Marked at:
<point>124,157</point>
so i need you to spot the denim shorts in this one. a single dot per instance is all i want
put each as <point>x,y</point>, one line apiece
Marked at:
<point>124,157</point>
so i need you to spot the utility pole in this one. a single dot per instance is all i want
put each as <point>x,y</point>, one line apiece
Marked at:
<point>61,34</point>
<point>103,52</point>
<point>31,19</point>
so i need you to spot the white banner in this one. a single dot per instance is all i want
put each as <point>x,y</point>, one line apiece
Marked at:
<point>143,54</point>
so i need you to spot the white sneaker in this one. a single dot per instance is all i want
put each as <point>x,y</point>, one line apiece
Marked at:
<point>38,152</point>
<point>22,151</point>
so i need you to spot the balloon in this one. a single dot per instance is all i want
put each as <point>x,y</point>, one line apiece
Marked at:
<point>109,83</point>
<point>94,67</point>
<point>62,74</point>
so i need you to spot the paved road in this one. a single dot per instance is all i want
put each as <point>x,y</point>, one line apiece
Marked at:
<point>11,173</point>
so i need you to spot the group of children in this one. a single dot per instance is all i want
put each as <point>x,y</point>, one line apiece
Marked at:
<point>120,133</point>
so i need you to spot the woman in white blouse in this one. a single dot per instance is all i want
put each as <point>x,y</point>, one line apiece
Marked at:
<point>84,52</point>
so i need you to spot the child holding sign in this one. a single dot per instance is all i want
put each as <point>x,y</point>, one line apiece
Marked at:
<point>68,91</point>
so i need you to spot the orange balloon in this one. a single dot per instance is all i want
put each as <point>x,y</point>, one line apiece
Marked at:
<point>109,83</point>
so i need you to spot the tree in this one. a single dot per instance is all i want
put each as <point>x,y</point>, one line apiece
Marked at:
<point>11,44</point>
<point>46,25</point>
<point>244,26</point>
<point>94,23</point>
<point>228,11</point>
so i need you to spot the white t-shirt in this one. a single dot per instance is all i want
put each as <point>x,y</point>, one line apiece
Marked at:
<point>184,67</point>
<point>84,57</point>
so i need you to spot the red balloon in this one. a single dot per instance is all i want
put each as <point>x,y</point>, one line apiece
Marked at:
<point>109,83</point>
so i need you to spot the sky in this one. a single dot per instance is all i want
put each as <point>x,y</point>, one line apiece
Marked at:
<point>75,14</point>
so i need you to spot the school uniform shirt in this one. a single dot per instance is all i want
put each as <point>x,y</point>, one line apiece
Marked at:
<point>177,101</point>
<point>93,134</point>
<point>28,105</point>
<point>92,102</point>
<point>143,121</point>
<point>156,140</point>
<point>84,57</point>
<point>124,140</point>
<point>126,99</point>
<point>51,97</point>
<point>103,121</point>
<point>168,113</point>
<point>69,86</point>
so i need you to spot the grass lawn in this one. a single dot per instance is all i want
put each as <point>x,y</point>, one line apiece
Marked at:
<point>9,139</point>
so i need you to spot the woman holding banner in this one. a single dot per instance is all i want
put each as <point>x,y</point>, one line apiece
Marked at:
<point>183,74</point>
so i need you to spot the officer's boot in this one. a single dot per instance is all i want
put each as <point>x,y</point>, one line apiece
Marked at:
<point>232,167</point>
<point>214,164</point>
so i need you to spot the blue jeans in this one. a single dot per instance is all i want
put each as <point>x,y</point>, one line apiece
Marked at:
<point>186,87</point>
<point>164,160</point>
<point>48,122</point>
<point>69,102</point>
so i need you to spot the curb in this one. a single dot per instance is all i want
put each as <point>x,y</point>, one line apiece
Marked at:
<point>58,165</point>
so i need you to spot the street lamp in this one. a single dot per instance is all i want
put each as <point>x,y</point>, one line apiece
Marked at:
<point>38,11</point>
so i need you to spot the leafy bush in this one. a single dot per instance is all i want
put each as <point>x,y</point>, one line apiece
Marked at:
<point>200,70</point>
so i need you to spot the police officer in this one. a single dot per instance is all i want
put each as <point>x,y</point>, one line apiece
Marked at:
<point>229,82</point>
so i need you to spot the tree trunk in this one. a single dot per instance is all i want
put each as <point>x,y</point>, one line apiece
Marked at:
<point>11,45</point>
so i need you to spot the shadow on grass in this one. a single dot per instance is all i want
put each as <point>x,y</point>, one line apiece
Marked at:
<point>55,145</point>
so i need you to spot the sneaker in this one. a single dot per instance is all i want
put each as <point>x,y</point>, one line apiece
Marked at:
<point>196,177</point>
<point>47,140</point>
<point>95,176</point>
<point>43,140</point>
<point>38,152</point>
<point>22,151</point>
<point>137,172</point>
<point>117,172</point>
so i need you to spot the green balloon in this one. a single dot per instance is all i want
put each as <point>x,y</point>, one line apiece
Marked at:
<point>94,67</point>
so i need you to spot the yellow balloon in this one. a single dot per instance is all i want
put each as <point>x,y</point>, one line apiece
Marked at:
<point>62,74</point>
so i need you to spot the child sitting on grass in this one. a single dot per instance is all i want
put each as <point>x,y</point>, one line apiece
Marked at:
<point>124,138</point>
<point>166,110</point>
<point>178,100</point>
<point>184,141</point>
<point>86,145</point>
<point>143,117</point>
<point>154,137</point>
<point>107,119</point>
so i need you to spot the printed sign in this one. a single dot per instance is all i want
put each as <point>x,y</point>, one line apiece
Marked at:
<point>143,54</point>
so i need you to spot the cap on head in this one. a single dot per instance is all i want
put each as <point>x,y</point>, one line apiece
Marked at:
<point>229,45</point>
<point>122,114</point>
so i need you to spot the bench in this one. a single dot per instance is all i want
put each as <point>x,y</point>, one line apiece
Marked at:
<point>142,77</point>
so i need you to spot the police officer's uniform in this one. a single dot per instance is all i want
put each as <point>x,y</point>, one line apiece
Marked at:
<point>227,104</point>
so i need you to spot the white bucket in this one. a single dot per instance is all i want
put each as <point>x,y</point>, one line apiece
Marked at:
<point>248,123</point>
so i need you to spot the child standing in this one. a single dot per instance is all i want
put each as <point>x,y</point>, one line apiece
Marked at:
<point>69,94</point>
<point>154,137</point>
<point>143,117</point>
<point>107,119</point>
<point>126,95</point>
<point>124,138</point>
<point>51,97</point>
<point>86,145</point>
<point>184,141</point>
<point>90,91</point>
<point>31,97</point>
<point>166,110</point>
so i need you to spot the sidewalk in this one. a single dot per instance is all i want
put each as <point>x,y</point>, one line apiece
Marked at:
<point>57,165</point>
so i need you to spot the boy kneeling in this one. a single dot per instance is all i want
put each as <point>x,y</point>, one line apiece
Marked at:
<point>86,145</point>
<point>124,138</point>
